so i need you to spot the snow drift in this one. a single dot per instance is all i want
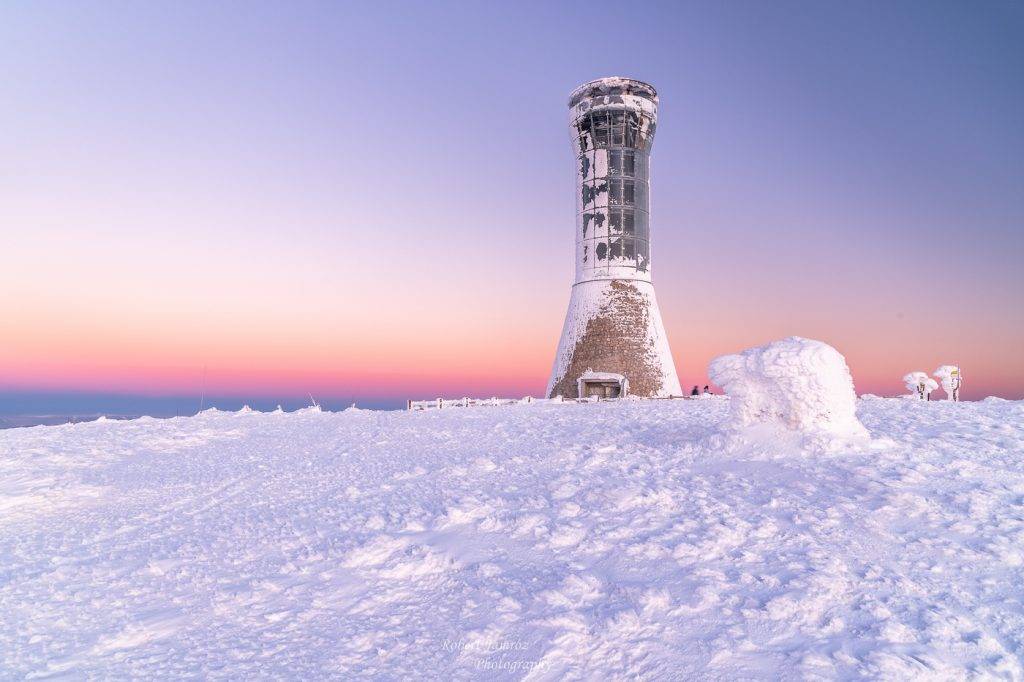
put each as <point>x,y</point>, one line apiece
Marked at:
<point>797,383</point>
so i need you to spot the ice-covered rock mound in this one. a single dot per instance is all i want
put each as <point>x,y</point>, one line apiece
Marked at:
<point>800,384</point>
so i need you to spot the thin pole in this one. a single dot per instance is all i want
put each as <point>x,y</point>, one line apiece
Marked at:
<point>202,398</point>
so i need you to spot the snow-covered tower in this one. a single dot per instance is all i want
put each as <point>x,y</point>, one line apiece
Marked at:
<point>613,338</point>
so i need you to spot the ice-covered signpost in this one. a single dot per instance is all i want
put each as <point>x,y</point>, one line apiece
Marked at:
<point>799,384</point>
<point>920,384</point>
<point>951,379</point>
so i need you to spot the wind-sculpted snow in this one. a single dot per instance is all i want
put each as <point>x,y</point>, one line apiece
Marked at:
<point>800,384</point>
<point>545,542</point>
<point>919,384</point>
<point>949,376</point>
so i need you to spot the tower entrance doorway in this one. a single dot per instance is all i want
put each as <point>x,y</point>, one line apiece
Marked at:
<point>602,385</point>
<point>602,389</point>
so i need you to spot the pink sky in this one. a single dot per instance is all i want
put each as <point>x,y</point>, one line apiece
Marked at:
<point>379,204</point>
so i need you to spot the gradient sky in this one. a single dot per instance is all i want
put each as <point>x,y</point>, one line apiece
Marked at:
<point>374,201</point>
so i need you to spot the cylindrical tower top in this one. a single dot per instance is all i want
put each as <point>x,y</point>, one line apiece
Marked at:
<point>613,86</point>
<point>612,123</point>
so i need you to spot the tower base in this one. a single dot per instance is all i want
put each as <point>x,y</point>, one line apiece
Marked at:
<point>614,326</point>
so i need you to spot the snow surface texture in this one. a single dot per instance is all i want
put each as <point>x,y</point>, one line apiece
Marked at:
<point>950,377</point>
<point>800,384</point>
<point>545,542</point>
<point>914,382</point>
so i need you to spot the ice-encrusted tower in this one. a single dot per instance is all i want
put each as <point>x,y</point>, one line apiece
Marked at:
<point>613,339</point>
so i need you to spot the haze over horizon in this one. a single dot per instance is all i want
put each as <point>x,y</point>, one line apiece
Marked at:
<point>264,201</point>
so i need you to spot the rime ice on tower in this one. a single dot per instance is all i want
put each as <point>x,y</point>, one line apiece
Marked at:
<point>613,326</point>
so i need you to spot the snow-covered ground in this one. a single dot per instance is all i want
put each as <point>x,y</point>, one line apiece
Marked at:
<point>573,541</point>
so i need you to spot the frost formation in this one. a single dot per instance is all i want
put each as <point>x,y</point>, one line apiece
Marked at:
<point>800,384</point>
<point>920,384</point>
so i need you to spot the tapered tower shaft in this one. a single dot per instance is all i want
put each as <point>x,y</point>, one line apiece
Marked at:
<point>613,326</point>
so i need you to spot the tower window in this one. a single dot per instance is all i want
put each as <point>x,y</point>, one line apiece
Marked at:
<point>632,129</point>
<point>600,129</point>
<point>615,221</point>
<point>618,125</point>
<point>628,193</point>
<point>641,230</point>
<point>615,249</point>
<point>615,192</point>
<point>628,222</point>
<point>621,162</point>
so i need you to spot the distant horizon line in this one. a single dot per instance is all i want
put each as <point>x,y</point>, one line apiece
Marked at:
<point>85,403</point>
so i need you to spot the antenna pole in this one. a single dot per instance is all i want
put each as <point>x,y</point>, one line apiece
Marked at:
<point>202,397</point>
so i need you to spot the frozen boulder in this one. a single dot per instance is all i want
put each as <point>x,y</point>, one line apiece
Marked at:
<point>951,379</point>
<point>800,384</point>
<point>919,384</point>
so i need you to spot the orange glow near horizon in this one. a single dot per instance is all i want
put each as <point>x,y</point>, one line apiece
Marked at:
<point>128,333</point>
<point>509,359</point>
<point>301,214</point>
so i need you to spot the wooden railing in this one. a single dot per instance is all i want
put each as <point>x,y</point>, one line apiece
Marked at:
<point>444,403</point>
<point>441,403</point>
